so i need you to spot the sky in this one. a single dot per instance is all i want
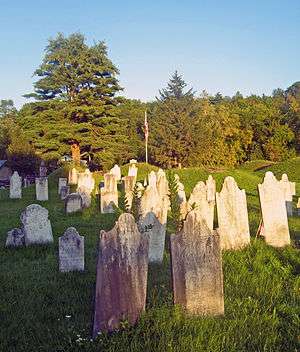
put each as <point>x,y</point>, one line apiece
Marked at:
<point>223,46</point>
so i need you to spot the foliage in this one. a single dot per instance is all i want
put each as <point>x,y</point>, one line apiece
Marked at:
<point>7,108</point>
<point>175,89</point>
<point>174,215</point>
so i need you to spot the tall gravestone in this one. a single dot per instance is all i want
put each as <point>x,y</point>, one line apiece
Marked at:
<point>181,197</point>
<point>15,186</point>
<point>162,183</point>
<point>121,282</point>
<point>41,188</point>
<point>116,170</point>
<point>62,182</point>
<point>109,194</point>
<point>232,216</point>
<point>129,183</point>
<point>289,190</point>
<point>71,251</point>
<point>274,215</point>
<point>73,203</point>
<point>73,176</point>
<point>85,187</point>
<point>197,267</point>
<point>36,226</point>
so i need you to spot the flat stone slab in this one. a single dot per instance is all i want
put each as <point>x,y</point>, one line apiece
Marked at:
<point>197,268</point>
<point>71,251</point>
<point>121,282</point>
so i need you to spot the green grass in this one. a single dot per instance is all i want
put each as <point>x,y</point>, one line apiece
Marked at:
<point>44,310</point>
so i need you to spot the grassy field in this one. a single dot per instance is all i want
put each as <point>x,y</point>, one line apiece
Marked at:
<point>44,310</point>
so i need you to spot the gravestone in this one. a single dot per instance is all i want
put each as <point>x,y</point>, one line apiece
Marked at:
<point>152,179</point>
<point>181,198</point>
<point>133,170</point>
<point>43,169</point>
<point>71,251</point>
<point>274,215</point>
<point>298,207</point>
<point>197,267</point>
<point>85,196</point>
<point>211,189</point>
<point>15,238</point>
<point>162,183</point>
<point>73,176</point>
<point>36,225</point>
<point>62,182</point>
<point>116,170</point>
<point>109,194</point>
<point>85,187</point>
<point>73,203</point>
<point>232,216</point>
<point>64,192</point>
<point>289,190</point>
<point>121,282</point>
<point>129,183</point>
<point>15,186</point>
<point>41,188</point>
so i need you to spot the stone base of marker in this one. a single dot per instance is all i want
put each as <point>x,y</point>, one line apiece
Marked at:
<point>73,203</point>
<point>41,188</point>
<point>197,268</point>
<point>71,251</point>
<point>121,283</point>
<point>64,192</point>
<point>15,238</point>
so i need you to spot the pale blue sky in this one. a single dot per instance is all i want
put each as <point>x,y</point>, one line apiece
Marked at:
<point>247,45</point>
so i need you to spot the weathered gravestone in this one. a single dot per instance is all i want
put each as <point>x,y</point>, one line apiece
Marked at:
<point>15,186</point>
<point>274,215</point>
<point>36,225</point>
<point>64,192</point>
<point>197,267</point>
<point>152,179</point>
<point>73,176</point>
<point>289,190</point>
<point>133,170</point>
<point>232,216</point>
<point>116,170</point>
<point>181,197</point>
<point>15,238</point>
<point>122,269</point>
<point>73,203</point>
<point>109,194</point>
<point>62,182</point>
<point>85,186</point>
<point>162,183</point>
<point>129,183</point>
<point>71,251</point>
<point>41,188</point>
<point>43,169</point>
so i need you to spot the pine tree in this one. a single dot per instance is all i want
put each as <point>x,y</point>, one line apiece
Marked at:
<point>175,89</point>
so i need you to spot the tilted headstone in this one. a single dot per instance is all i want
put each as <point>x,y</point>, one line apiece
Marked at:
<point>43,169</point>
<point>109,194</point>
<point>36,225</point>
<point>71,251</point>
<point>73,203</point>
<point>73,176</point>
<point>289,190</point>
<point>15,238</point>
<point>121,282</point>
<point>232,216</point>
<point>274,215</point>
<point>116,170</point>
<point>129,183</point>
<point>197,267</point>
<point>15,186</point>
<point>62,182</point>
<point>41,188</point>
<point>64,192</point>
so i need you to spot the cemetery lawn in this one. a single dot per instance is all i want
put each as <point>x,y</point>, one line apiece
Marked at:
<point>44,310</point>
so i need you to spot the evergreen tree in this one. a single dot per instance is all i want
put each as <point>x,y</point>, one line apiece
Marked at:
<point>7,108</point>
<point>175,89</point>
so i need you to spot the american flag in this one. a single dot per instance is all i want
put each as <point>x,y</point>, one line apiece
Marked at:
<point>146,127</point>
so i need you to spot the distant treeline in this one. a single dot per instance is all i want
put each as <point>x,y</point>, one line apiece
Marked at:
<point>78,104</point>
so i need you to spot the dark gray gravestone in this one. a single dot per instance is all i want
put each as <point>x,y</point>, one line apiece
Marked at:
<point>71,251</point>
<point>197,267</point>
<point>122,270</point>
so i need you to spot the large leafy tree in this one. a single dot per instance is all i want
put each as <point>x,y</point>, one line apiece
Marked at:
<point>7,108</point>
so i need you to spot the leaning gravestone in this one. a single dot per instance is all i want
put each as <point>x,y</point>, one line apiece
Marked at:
<point>15,186</point>
<point>109,194</point>
<point>73,203</point>
<point>71,251</point>
<point>62,182</point>
<point>116,170</point>
<point>41,188</point>
<point>129,183</point>
<point>274,215</point>
<point>197,267</point>
<point>73,176</point>
<point>121,282</point>
<point>15,238</point>
<point>232,216</point>
<point>36,225</point>
<point>289,190</point>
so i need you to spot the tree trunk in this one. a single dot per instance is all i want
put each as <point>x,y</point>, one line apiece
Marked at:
<point>75,149</point>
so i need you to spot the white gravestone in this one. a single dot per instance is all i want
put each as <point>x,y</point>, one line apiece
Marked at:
<point>274,215</point>
<point>181,197</point>
<point>232,216</point>
<point>129,183</point>
<point>71,251</point>
<point>116,170</point>
<point>15,186</point>
<point>289,190</point>
<point>109,194</point>
<point>133,170</point>
<point>36,225</point>
<point>41,188</point>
